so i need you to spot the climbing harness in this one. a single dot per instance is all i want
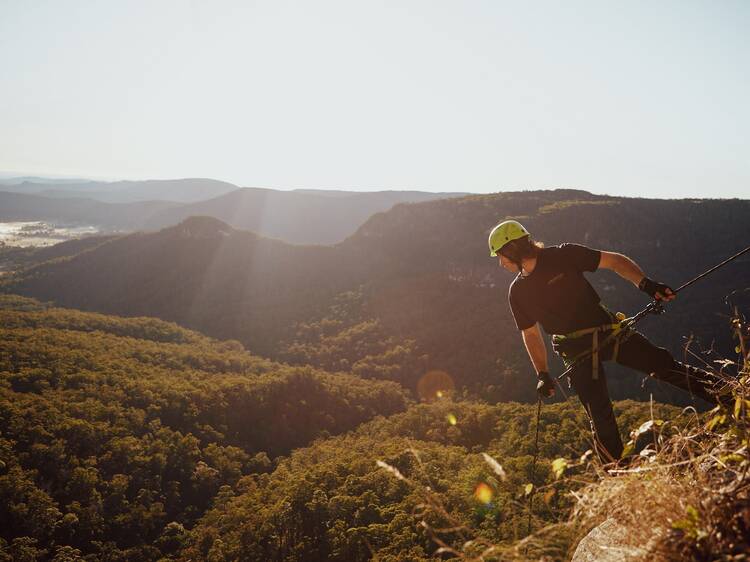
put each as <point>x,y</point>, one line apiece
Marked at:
<point>654,307</point>
<point>618,331</point>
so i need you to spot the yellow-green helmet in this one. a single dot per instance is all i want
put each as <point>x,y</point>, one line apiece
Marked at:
<point>505,232</point>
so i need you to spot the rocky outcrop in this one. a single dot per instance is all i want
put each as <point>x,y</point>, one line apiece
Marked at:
<point>608,542</point>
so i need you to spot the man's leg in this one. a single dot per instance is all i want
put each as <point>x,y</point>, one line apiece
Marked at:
<point>595,399</point>
<point>638,353</point>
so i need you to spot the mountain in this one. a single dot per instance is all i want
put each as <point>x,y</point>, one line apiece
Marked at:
<point>13,258</point>
<point>10,179</point>
<point>413,289</point>
<point>77,210</point>
<point>179,270</point>
<point>299,217</point>
<point>181,190</point>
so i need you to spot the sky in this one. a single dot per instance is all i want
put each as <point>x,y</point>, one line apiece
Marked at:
<point>636,98</point>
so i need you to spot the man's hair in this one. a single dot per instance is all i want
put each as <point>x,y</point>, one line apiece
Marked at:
<point>521,249</point>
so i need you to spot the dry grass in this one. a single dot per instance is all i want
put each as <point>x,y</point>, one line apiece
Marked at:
<point>687,497</point>
<point>688,500</point>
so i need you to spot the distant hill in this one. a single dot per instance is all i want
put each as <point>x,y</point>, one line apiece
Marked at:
<point>78,210</point>
<point>413,289</point>
<point>172,271</point>
<point>299,217</point>
<point>181,190</point>
<point>13,258</point>
<point>10,179</point>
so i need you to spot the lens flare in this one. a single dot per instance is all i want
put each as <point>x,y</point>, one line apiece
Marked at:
<point>435,385</point>
<point>483,493</point>
<point>451,419</point>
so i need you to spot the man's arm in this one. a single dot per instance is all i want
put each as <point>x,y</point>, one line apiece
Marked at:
<point>628,269</point>
<point>537,350</point>
<point>534,342</point>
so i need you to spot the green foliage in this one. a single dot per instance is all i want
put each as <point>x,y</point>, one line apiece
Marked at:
<point>691,525</point>
<point>137,439</point>
<point>345,341</point>
<point>117,434</point>
<point>559,466</point>
<point>331,501</point>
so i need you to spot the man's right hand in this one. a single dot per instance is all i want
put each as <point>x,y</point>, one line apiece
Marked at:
<point>656,290</point>
<point>546,386</point>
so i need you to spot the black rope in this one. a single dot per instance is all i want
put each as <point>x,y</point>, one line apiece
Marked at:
<point>533,463</point>
<point>714,268</point>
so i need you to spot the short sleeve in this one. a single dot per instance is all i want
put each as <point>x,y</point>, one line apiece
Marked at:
<point>581,257</point>
<point>524,320</point>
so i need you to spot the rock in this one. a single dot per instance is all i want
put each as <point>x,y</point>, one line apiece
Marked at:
<point>608,542</point>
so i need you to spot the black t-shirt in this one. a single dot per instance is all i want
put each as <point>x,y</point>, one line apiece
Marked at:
<point>556,294</point>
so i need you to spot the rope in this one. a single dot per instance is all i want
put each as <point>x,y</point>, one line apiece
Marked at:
<point>533,463</point>
<point>714,268</point>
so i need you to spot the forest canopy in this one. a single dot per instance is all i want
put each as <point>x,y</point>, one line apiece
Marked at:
<point>117,434</point>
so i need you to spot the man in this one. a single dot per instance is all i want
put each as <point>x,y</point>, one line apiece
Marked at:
<point>551,292</point>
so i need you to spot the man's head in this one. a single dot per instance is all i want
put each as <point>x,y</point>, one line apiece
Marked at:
<point>512,243</point>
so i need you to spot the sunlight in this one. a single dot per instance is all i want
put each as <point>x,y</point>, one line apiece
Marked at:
<point>435,385</point>
<point>483,493</point>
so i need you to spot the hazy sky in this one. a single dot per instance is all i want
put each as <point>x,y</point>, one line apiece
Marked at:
<point>629,98</point>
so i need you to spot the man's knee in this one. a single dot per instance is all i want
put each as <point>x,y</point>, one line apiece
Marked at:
<point>662,360</point>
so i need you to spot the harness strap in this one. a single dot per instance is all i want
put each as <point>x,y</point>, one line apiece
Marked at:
<point>619,333</point>
<point>587,331</point>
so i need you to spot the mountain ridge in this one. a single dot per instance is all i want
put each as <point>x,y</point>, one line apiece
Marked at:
<point>421,287</point>
<point>299,216</point>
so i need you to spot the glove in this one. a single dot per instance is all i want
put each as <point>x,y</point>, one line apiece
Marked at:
<point>652,288</point>
<point>545,387</point>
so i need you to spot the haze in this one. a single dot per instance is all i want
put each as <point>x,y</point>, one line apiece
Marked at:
<point>640,98</point>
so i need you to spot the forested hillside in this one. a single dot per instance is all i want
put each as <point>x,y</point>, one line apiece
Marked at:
<point>135,439</point>
<point>331,501</point>
<point>78,210</point>
<point>116,434</point>
<point>414,289</point>
<point>13,258</point>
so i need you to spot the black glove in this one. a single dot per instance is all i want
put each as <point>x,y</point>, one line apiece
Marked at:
<point>651,288</point>
<point>545,387</point>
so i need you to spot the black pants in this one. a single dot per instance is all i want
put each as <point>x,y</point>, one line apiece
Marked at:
<point>640,354</point>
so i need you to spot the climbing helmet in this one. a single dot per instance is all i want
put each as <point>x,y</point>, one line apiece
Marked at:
<point>505,232</point>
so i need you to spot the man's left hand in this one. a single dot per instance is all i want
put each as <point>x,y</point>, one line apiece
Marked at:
<point>545,387</point>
